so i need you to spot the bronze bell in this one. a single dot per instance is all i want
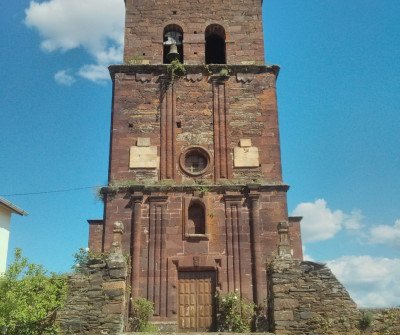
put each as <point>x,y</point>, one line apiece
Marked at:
<point>173,53</point>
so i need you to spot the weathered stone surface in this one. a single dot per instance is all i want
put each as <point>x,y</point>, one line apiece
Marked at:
<point>246,157</point>
<point>173,226</point>
<point>313,296</point>
<point>281,304</point>
<point>117,273</point>
<point>245,143</point>
<point>281,288</point>
<point>116,261</point>
<point>143,157</point>
<point>95,303</point>
<point>307,315</point>
<point>114,285</point>
<point>146,20</point>
<point>143,142</point>
<point>113,308</point>
<point>283,315</point>
<point>244,77</point>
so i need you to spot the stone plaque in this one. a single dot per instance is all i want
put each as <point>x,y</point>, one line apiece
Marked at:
<point>143,158</point>
<point>143,142</point>
<point>246,157</point>
<point>245,143</point>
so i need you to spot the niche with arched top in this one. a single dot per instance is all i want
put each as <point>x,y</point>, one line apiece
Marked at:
<point>215,44</point>
<point>172,34</point>
<point>196,219</point>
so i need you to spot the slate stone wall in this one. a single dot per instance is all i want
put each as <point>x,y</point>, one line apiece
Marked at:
<point>306,298</point>
<point>96,298</point>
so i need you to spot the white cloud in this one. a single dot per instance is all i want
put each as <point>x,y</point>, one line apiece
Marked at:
<point>96,73</point>
<point>321,223</point>
<point>385,234</point>
<point>353,221</point>
<point>111,55</point>
<point>371,282</point>
<point>95,25</point>
<point>63,78</point>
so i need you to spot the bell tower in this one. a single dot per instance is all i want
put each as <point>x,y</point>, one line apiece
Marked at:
<point>195,167</point>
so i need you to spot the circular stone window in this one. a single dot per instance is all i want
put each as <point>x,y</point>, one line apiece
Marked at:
<point>195,161</point>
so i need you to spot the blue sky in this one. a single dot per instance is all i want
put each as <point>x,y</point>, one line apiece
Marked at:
<point>339,104</point>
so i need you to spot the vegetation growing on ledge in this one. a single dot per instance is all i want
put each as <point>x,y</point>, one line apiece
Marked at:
<point>176,68</point>
<point>199,185</point>
<point>136,59</point>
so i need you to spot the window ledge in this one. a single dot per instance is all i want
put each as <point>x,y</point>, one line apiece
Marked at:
<point>197,237</point>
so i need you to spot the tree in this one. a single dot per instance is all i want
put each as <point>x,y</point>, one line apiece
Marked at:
<point>29,298</point>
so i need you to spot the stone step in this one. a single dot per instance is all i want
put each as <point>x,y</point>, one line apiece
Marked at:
<point>194,333</point>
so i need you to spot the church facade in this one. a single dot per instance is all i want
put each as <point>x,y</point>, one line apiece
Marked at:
<point>195,166</point>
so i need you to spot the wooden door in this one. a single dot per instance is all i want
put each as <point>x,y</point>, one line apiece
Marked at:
<point>196,301</point>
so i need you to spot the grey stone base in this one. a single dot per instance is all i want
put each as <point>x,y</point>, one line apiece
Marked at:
<point>166,326</point>
<point>214,333</point>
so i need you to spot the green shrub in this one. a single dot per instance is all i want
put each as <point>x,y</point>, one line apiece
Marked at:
<point>29,298</point>
<point>142,312</point>
<point>80,258</point>
<point>366,320</point>
<point>224,72</point>
<point>84,255</point>
<point>235,313</point>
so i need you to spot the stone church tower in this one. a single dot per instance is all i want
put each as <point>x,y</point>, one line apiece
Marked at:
<point>195,167</point>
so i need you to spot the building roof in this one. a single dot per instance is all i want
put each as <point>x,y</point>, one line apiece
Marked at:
<point>11,207</point>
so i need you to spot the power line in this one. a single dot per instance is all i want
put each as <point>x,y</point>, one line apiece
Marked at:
<point>54,191</point>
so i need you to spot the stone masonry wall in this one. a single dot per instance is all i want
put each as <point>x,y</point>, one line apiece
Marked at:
<point>241,20</point>
<point>306,298</point>
<point>248,101</point>
<point>178,250</point>
<point>97,297</point>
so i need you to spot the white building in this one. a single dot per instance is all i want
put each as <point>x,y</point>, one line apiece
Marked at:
<point>6,209</point>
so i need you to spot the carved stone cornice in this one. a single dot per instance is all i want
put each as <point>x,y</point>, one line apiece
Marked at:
<point>233,197</point>
<point>161,69</point>
<point>158,198</point>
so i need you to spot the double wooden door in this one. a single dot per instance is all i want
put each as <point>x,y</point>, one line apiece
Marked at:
<point>196,301</point>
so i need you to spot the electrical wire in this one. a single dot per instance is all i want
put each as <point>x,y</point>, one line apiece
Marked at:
<point>54,191</point>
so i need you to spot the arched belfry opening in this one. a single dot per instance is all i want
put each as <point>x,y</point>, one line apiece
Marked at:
<point>172,43</point>
<point>196,218</point>
<point>215,44</point>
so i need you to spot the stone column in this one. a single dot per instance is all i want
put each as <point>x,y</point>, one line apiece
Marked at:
<point>221,128</point>
<point>117,236</point>
<point>284,245</point>
<point>256,248</point>
<point>136,241</point>
<point>167,128</point>
<point>157,262</point>
<point>114,286</point>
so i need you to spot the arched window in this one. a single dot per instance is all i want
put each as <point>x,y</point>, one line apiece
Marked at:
<point>173,43</point>
<point>215,44</point>
<point>196,218</point>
